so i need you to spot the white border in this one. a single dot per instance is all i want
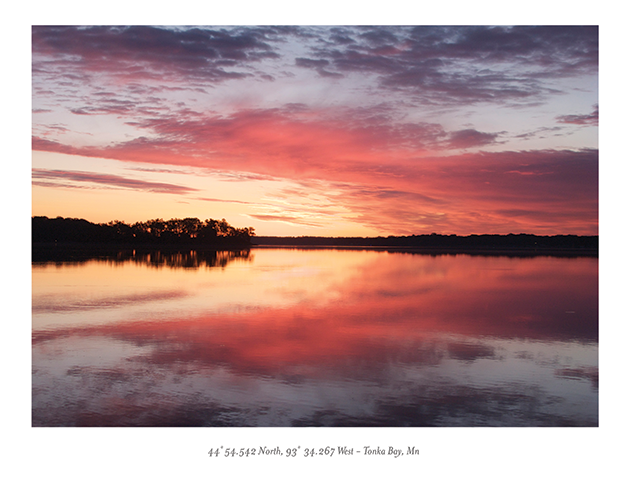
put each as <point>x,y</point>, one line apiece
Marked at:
<point>174,460</point>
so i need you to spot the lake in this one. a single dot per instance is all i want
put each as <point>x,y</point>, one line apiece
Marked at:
<point>277,337</point>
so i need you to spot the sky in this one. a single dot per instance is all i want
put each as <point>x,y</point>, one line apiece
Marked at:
<point>315,130</point>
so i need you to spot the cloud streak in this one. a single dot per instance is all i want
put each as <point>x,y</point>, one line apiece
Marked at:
<point>59,177</point>
<point>587,119</point>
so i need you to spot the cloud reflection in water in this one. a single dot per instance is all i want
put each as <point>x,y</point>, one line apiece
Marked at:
<point>327,338</point>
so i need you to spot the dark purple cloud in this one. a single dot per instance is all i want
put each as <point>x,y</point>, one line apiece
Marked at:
<point>469,138</point>
<point>145,52</point>
<point>432,62</point>
<point>568,48</point>
<point>311,63</point>
<point>458,64</point>
<point>588,119</point>
<point>541,133</point>
<point>436,64</point>
<point>318,65</point>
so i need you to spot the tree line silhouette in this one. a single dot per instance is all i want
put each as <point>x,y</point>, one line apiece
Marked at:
<point>157,232</point>
<point>218,234</point>
<point>578,244</point>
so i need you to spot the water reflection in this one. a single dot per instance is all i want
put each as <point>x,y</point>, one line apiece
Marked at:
<point>191,259</point>
<point>332,338</point>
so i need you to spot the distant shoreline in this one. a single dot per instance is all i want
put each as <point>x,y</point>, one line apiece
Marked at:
<point>435,244</point>
<point>43,251</point>
<point>521,252</point>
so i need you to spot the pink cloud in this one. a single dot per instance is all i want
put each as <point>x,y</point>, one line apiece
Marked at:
<point>385,173</point>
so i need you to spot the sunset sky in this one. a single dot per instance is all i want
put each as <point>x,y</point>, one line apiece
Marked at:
<point>312,130</point>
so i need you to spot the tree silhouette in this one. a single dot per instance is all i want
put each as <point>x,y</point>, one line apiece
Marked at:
<point>187,231</point>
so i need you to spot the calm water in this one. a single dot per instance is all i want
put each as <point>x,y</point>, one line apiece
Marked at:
<point>281,337</point>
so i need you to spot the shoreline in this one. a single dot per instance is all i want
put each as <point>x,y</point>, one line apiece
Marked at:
<point>485,251</point>
<point>46,250</point>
